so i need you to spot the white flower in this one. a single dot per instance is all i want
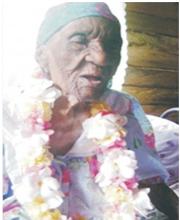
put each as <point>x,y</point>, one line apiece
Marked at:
<point>35,139</point>
<point>28,186</point>
<point>41,185</point>
<point>123,213</point>
<point>34,87</point>
<point>126,204</point>
<point>142,202</point>
<point>118,165</point>
<point>104,129</point>
<point>41,89</point>
<point>99,127</point>
<point>34,90</point>
<point>137,202</point>
<point>31,149</point>
<point>50,191</point>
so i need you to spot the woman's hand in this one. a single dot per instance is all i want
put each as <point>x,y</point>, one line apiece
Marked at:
<point>67,125</point>
<point>164,199</point>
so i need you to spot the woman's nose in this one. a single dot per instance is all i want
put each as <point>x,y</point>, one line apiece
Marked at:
<point>96,54</point>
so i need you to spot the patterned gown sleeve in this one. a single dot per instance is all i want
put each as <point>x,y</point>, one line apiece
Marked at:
<point>142,141</point>
<point>140,137</point>
<point>12,210</point>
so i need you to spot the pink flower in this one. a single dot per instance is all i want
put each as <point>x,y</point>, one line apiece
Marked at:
<point>47,125</point>
<point>131,183</point>
<point>106,112</point>
<point>93,165</point>
<point>66,176</point>
<point>118,143</point>
<point>150,140</point>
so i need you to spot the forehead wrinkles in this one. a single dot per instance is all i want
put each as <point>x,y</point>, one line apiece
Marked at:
<point>90,26</point>
<point>98,27</point>
<point>95,27</point>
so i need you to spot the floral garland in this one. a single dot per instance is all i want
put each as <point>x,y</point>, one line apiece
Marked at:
<point>114,168</point>
<point>38,191</point>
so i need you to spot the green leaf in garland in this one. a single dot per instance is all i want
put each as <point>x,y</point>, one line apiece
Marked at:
<point>137,142</point>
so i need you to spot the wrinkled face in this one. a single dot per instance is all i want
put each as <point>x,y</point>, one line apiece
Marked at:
<point>83,56</point>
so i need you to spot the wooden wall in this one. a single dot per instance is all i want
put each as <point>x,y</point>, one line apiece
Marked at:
<point>152,73</point>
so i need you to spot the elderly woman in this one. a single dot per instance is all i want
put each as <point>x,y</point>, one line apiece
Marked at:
<point>92,138</point>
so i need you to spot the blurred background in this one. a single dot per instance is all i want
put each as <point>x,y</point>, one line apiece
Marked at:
<point>152,72</point>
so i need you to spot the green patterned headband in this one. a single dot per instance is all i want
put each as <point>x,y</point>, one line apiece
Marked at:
<point>59,16</point>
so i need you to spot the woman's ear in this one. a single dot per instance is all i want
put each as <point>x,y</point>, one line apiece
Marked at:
<point>42,58</point>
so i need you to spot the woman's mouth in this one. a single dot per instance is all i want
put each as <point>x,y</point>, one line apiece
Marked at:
<point>93,80</point>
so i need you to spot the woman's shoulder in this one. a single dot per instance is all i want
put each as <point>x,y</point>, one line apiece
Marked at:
<point>120,102</point>
<point>126,104</point>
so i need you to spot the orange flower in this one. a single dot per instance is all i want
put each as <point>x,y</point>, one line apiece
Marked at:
<point>97,107</point>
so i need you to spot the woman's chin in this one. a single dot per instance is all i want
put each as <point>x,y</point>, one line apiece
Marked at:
<point>89,95</point>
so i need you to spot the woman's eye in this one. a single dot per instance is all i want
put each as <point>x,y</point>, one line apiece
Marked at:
<point>79,39</point>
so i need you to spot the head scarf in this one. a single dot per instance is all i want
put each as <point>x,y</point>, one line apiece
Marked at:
<point>61,15</point>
